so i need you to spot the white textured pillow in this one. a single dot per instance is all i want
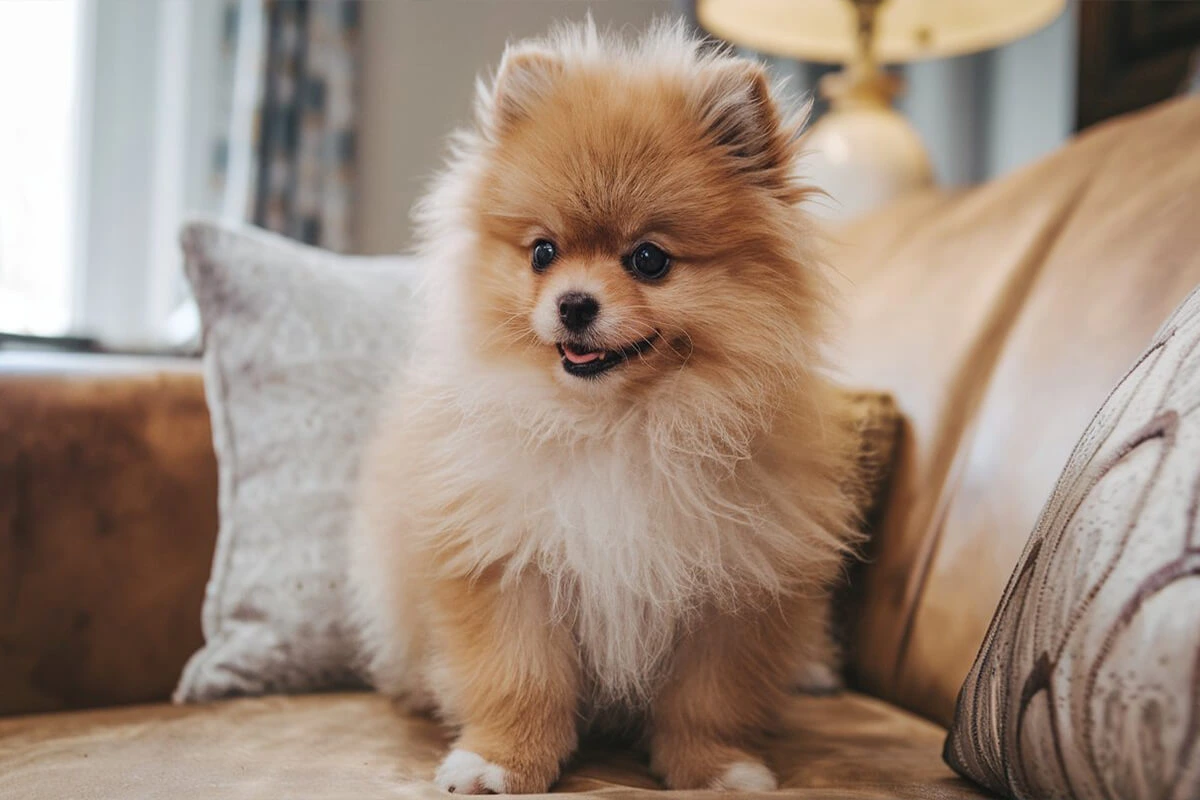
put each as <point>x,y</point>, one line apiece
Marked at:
<point>1088,682</point>
<point>299,344</point>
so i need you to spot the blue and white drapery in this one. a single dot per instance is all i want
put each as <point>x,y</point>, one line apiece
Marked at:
<point>288,163</point>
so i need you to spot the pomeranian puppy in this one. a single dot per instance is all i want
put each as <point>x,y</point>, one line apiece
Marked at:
<point>610,489</point>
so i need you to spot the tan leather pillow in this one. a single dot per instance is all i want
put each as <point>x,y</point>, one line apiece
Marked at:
<point>1088,681</point>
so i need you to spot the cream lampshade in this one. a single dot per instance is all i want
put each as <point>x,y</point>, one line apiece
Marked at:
<point>862,152</point>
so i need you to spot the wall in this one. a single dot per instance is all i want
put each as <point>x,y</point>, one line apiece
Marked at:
<point>987,114</point>
<point>1032,99</point>
<point>420,59</point>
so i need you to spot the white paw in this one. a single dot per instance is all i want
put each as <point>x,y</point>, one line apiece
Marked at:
<point>464,772</point>
<point>746,776</point>
<point>816,677</point>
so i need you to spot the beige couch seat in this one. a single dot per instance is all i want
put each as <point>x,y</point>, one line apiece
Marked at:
<point>355,746</point>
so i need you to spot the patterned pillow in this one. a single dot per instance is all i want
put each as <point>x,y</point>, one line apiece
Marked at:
<point>1088,681</point>
<point>299,344</point>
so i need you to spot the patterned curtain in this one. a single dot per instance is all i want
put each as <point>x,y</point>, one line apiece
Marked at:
<point>292,159</point>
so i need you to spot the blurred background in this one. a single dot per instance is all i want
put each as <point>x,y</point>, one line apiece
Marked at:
<point>324,119</point>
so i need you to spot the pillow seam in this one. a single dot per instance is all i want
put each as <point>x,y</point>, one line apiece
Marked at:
<point>213,613</point>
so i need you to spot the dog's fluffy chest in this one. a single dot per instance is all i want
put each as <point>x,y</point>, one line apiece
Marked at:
<point>608,548</point>
<point>630,547</point>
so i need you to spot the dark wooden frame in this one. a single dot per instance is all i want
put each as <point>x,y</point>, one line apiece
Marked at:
<point>1133,53</point>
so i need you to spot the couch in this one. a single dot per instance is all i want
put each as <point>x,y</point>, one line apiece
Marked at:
<point>999,317</point>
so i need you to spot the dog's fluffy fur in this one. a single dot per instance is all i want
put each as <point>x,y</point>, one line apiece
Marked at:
<point>538,553</point>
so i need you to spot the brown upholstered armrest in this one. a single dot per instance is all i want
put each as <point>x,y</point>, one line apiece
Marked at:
<point>108,518</point>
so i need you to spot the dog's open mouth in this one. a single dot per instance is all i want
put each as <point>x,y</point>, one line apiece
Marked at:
<point>577,360</point>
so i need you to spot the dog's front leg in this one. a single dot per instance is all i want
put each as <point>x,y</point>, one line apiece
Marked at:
<point>725,688</point>
<point>509,673</point>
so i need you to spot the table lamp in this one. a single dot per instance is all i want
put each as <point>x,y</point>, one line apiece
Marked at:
<point>862,152</point>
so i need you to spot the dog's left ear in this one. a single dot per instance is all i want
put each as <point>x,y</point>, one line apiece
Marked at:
<point>740,116</point>
<point>526,74</point>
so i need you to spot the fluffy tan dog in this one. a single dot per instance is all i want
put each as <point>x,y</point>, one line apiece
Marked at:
<point>610,492</point>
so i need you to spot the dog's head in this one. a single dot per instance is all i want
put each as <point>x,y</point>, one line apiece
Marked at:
<point>635,219</point>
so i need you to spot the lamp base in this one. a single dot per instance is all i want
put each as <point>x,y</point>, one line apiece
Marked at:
<point>862,153</point>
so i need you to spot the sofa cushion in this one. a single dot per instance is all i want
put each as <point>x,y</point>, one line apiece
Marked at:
<point>356,747</point>
<point>999,318</point>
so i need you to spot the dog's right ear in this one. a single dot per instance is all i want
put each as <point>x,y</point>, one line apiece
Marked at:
<point>740,116</point>
<point>526,74</point>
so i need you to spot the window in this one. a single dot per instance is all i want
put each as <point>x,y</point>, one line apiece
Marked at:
<point>39,97</point>
<point>111,112</point>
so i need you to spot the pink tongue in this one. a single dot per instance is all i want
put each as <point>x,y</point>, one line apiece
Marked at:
<point>580,358</point>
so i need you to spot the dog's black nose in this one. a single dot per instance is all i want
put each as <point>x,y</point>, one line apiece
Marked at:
<point>577,310</point>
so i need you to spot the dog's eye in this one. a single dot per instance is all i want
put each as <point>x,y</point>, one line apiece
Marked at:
<point>649,261</point>
<point>544,253</point>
